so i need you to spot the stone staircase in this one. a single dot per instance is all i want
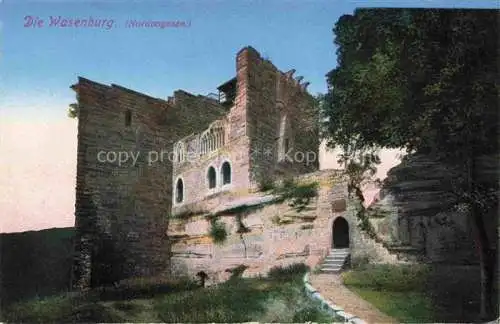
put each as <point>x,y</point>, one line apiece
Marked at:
<point>335,261</point>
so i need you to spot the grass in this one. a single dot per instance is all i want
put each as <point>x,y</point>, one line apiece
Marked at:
<point>442,293</point>
<point>398,291</point>
<point>406,307</point>
<point>278,298</point>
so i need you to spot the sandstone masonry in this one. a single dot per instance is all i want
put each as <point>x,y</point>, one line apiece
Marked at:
<point>124,205</point>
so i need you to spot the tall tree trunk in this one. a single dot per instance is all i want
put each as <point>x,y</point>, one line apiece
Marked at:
<point>486,258</point>
<point>487,266</point>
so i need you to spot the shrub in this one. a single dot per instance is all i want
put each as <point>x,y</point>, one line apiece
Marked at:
<point>307,226</point>
<point>266,184</point>
<point>276,220</point>
<point>298,195</point>
<point>234,302</point>
<point>360,262</point>
<point>292,271</point>
<point>187,213</point>
<point>143,287</point>
<point>218,231</point>
<point>311,313</point>
<point>237,272</point>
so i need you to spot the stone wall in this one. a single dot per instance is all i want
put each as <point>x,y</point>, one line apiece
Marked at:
<point>279,235</point>
<point>252,132</point>
<point>276,100</point>
<point>126,203</point>
<point>235,150</point>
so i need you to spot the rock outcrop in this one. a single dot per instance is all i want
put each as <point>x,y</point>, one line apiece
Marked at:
<point>416,213</point>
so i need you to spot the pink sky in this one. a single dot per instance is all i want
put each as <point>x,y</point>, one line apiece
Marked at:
<point>389,158</point>
<point>38,167</point>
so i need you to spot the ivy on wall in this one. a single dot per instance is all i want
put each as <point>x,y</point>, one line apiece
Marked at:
<point>298,195</point>
<point>218,231</point>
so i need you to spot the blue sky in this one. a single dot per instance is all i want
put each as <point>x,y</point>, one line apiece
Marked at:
<point>39,64</point>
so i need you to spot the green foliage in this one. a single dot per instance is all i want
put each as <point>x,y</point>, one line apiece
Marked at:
<point>309,313</point>
<point>293,271</point>
<point>365,224</point>
<point>237,300</point>
<point>144,287</point>
<point>405,307</point>
<point>276,220</point>
<point>73,110</point>
<point>307,226</point>
<point>266,184</point>
<point>391,277</point>
<point>360,262</point>
<point>240,300</point>
<point>218,231</point>
<point>364,221</point>
<point>400,291</point>
<point>400,84</point>
<point>377,213</point>
<point>427,81</point>
<point>237,272</point>
<point>298,195</point>
<point>186,214</point>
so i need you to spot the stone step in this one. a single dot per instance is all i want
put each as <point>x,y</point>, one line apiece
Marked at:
<point>343,260</point>
<point>334,262</point>
<point>336,257</point>
<point>332,267</point>
<point>339,254</point>
<point>331,270</point>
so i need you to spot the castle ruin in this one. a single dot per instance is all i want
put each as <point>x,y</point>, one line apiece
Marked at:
<point>152,174</point>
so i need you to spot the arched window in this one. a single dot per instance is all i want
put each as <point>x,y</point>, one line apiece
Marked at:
<point>217,130</point>
<point>179,152</point>
<point>179,191</point>
<point>226,173</point>
<point>213,138</point>
<point>204,139</point>
<point>284,136</point>
<point>212,178</point>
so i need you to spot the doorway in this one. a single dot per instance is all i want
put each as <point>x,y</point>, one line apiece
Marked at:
<point>340,233</point>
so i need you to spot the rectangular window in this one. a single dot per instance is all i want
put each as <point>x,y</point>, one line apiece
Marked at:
<point>128,117</point>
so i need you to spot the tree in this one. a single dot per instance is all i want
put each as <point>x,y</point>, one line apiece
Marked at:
<point>427,81</point>
<point>73,110</point>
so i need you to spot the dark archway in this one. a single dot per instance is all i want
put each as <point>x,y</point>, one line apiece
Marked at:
<point>212,178</point>
<point>226,173</point>
<point>340,232</point>
<point>179,191</point>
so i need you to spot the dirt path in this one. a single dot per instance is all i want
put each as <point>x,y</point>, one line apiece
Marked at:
<point>331,288</point>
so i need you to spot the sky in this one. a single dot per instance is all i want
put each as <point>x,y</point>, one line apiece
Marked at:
<point>39,60</point>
